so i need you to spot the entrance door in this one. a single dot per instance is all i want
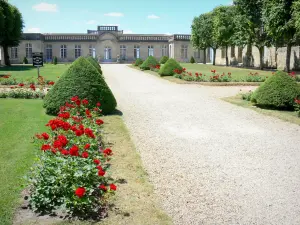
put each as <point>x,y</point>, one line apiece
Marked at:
<point>107,53</point>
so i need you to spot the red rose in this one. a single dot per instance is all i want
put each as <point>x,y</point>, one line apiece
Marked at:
<point>45,147</point>
<point>99,122</point>
<point>101,172</point>
<point>65,115</point>
<point>45,136</point>
<point>88,132</point>
<point>107,151</point>
<point>51,83</point>
<point>64,152</point>
<point>113,187</point>
<point>87,146</point>
<point>73,128</point>
<point>85,154</point>
<point>102,187</point>
<point>81,127</point>
<point>97,161</point>
<point>77,102</point>
<point>74,99</point>
<point>98,104</point>
<point>85,102</point>
<point>80,192</point>
<point>88,113</point>
<point>78,133</point>
<point>74,150</point>
<point>63,140</point>
<point>57,144</point>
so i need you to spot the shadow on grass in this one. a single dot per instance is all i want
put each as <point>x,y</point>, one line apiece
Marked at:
<point>17,68</point>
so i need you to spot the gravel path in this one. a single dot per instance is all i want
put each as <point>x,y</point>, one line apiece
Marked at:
<point>210,162</point>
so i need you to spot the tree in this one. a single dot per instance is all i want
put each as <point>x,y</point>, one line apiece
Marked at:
<point>224,27</point>
<point>249,19</point>
<point>11,32</point>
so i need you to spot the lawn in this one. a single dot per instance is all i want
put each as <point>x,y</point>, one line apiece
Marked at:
<point>19,120</point>
<point>27,72</point>
<point>288,116</point>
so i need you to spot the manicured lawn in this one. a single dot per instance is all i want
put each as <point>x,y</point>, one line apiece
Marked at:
<point>283,115</point>
<point>25,72</point>
<point>20,119</point>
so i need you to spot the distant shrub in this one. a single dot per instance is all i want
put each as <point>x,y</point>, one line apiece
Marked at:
<point>279,91</point>
<point>138,62</point>
<point>163,59</point>
<point>25,60</point>
<point>149,62</point>
<point>168,68</point>
<point>94,62</point>
<point>55,60</point>
<point>192,60</point>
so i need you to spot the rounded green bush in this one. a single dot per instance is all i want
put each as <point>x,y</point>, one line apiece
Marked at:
<point>138,62</point>
<point>163,59</point>
<point>168,68</point>
<point>94,63</point>
<point>82,79</point>
<point>150,61</point>
<point>278,91</point>
<point>192,60</point>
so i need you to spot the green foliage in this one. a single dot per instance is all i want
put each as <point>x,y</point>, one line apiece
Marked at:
<point>168,68</point>
<point>22,93</point>
<point>192,60</point>
<point>278,91</point>
<point>83,80</point>
<point>55,60</point>
<point>94,62</point>
<point>247,96</point>
<point>138,62</point>
<point>25,60</point>
<point>163,59</point>
<point>150,61</point>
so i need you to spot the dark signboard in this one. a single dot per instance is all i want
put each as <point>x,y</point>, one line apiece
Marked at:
<point>37,59</point>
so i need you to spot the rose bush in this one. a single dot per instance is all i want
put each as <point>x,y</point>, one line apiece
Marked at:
<point>71,172</point>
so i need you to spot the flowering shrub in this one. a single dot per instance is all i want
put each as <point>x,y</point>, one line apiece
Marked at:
<point>72,168</point>
<point>154,68</point>
<point>220,78</point>
<point>297,106</point>
<point>255,77</point>
<point>22,93</point>
<point>138,62</point>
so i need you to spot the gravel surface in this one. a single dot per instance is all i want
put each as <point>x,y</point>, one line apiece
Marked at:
<point>210,162</point>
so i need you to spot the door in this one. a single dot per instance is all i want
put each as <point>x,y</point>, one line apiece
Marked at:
<point>107,53</point>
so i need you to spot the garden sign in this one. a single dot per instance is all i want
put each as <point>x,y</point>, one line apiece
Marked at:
<point>37,60</point>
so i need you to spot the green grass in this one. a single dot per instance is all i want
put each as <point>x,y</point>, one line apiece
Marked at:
<point>28,72</point>
<point>288,116</point>
<point>19,121</point>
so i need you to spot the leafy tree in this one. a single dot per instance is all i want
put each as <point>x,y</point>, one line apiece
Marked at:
<point>250,26</point>
<point>12,26</point>
<point>280,17</point>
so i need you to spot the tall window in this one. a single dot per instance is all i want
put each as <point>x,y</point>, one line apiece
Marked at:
<point>150,50</point>
<point>14,52</point>
<point>136,52</point>
<point>164,50</point>
<point>63,51</point>
<point>170,51</point>
<point>28,50</point>
<point>92,51</point>
<point>49,52</point>
<point>183,52</point>
<point>77,51</point>
<point>122,52</point>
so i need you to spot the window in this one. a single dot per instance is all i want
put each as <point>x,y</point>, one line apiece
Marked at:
<point>48,52</point>
<point>223,53</point>
<point>122,52</point>
<point>150,50</point>
<point>28,50</point>
<point>63,51</point>
<point>92,51</point>
<point>136,52</point>
<point>14,52</point>
<point>77,51</point>
<point>232,51</point>
<point>170,51</point>
<point>164,50</point>
<point>184,49</point>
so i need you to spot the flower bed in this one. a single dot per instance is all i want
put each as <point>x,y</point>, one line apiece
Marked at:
<point>9,80</point>
<point>71,172</point>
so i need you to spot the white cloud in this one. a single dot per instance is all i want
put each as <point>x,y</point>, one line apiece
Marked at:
<point>114,14</point>
<point>91,22</point>
<point>153,17</point>
<point>45,7</point>
<point>127,32</point>
<point>168,33</point>
<point>34,30</point>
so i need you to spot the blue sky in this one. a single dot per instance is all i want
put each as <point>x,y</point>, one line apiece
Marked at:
<point>132,16</point>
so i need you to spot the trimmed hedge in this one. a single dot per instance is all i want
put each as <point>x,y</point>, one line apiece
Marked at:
<point>94,63</point>
<point>163,59</point>
<point>82,79</point>
<point>278,91</point>
<point>138,62</point>
<point>192,60</point>
<point>169,67</point>
<point>150,61</point>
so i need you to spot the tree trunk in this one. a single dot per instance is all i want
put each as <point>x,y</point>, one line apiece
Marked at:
<point>261,57</point>
<point>204,58</point>
<point>214,58</point>
<point>6,56</point>
<point>288,57</point>
<point>276,55</point>
<point>226,55</point>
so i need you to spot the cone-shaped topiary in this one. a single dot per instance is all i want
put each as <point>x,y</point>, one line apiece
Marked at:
<point>192,60</point>
<point>278,91</point>
<point>168,68</point>
<point>82,79</point>
<point>163,59</point>
<point>55,60</point>
<point>150,61</point>
<point>94,63</point>
<point>138,62</point>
